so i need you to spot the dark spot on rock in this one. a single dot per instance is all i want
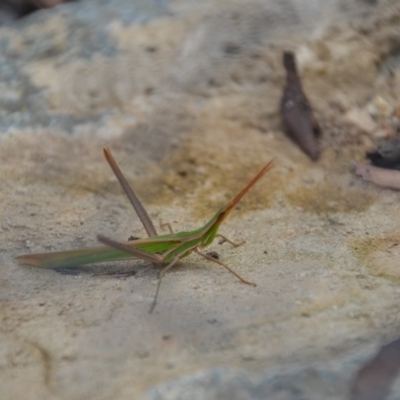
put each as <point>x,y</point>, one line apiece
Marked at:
<point>213,254</point>
<point>232,48</point>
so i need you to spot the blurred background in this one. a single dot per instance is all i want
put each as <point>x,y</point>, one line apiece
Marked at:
<point>193,98</point>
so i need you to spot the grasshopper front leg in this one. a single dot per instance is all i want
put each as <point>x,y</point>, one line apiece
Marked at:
<point>206,256</point>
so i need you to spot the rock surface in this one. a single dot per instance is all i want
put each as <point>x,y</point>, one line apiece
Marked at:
<point>187,97</point>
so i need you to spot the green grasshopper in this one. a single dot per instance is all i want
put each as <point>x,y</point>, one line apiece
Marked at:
<point>157,249</point>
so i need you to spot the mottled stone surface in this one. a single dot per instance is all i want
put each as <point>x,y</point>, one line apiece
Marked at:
<point>186,94</point>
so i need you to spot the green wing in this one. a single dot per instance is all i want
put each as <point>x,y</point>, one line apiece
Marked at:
<point>90,255</point>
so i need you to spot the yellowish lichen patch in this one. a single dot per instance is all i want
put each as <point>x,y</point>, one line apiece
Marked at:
<point>203,174</point>
<point>206,191</point>
<point>326,198</point>
<point>380,255</point>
